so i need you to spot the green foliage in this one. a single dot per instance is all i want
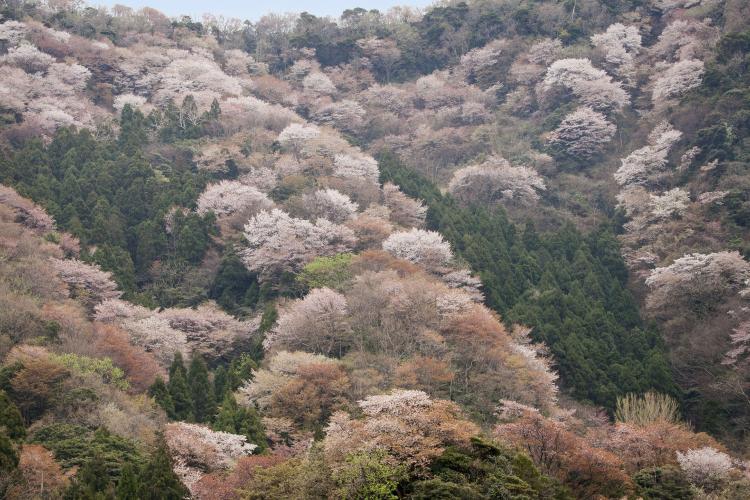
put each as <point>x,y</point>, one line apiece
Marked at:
<point>157,480</point>
<point>663,483</point>
<point>127,486</point>
<point>8,455</point>
<point>11,422</point>
<point>367,475</point>
<point>235,288</point>
<point>331,272</point>
<point>160,392</point>
<point>570,287</point>
<point>241,420</point>
<point>74,445</point>
<point>91,482</point>
<point>201,391</point>
<point>111,194</point>
<point>103,367</point>
<point>179,391</point>
<point>486,471</point>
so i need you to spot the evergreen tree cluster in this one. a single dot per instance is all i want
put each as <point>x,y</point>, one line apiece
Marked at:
<point>115,197</point>
<point>191,395</point>
<point>568,286</point>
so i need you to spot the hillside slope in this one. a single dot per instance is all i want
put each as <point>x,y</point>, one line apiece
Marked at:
<point>492,249</point>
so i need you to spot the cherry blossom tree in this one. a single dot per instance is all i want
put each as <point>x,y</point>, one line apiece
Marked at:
<point>696,280</point>
<point>619,44</point>
<point>295,136</point>
<point>282,368</point>
<point>357,166</point>
<point>406,424</point>
<point>645,164</point>
<point>705,467</point>
<point>421,247</point>
<point>206,330</point>
<point>496,180</point>
<point>330,204</point>
<point>404,211</point>
<point>670,204</point>
<point>86,282</point>
<point>676,80</point>
<point>545,51</point>
<point>135,102</point>
<point>592,86</point>
<point>345,115</point>
<point>317,323</point>
<point>197,450</point>
<point>318,84</point>
<point>383,52</point>
<point>477,64</point>
<point>583,134</point>
<point>685,39</point>
<point>227,197</point>
<point>28,58</point>
<point>27,212</point>
<point>279,242</point>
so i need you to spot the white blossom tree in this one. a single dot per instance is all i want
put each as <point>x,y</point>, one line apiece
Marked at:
<point>345,115</point>
<point>227,197</point>
<point>28,58</point>
<point>356,166</point>
<point>404,211</point>
<point>705,467</point>
<point>670,204</point>
<point>676,80</point>
<point>278,242</point>
<point>318,84</point>
<point>86,282</point>
<point>421,247</point>
<point>27,212</point>
<point>496,180</point>
<point>197,450</point>
<point>316,323</point>
<point>697,280</point>
<point>583,133</point>
<point>592,86</point>
<point>645,164</point>
<point>329,204</point>
<point>545,51</point>
<point>619,45</point>
<point>295,136</point>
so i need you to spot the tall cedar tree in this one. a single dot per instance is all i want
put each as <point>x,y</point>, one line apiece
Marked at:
<point>201,391</point>
<point>157,480</point>
<point>179,390</point>
<point>240,420</point>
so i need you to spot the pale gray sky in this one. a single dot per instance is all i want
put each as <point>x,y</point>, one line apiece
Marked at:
<point>254,9</point>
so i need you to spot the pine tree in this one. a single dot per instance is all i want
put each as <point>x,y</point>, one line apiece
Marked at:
<point>220,381</point>
<point>8,454</point>
<point>180,394</point>
<point>157,480</point>
<point>160,393</point>
<point>240,420</point>
<point>127,486</point>
<point>10,418</point>
<point>92,481</point>
<point>177,365</point>
<point>201,391</point>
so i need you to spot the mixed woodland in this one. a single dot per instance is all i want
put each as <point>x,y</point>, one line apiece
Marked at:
<point>491,249</point>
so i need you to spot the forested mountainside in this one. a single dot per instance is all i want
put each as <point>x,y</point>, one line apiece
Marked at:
<point>492,249</point>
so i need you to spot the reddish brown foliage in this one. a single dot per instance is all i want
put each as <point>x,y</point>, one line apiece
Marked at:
<point>140,367</point>
<point>310,398</point>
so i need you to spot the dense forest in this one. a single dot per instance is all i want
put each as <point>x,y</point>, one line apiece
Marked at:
<point>490,249</point>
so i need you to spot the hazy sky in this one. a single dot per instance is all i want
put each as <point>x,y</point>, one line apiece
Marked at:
<point>254,9</point>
